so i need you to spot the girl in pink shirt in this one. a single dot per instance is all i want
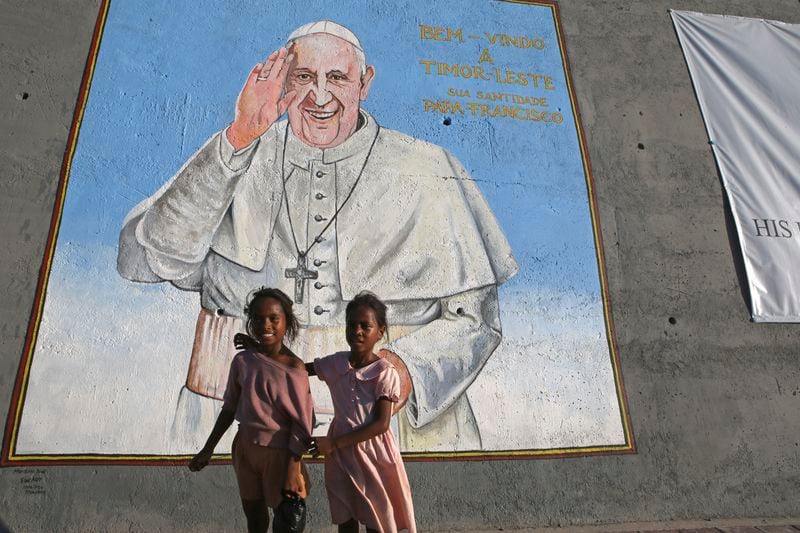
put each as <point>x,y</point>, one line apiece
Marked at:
<point>269,395</point>
<point>364,474</point>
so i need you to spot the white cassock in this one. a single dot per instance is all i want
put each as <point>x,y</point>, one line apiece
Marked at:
<point>415,230</point>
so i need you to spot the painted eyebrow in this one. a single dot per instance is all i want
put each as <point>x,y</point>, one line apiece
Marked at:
<point>336,71</point>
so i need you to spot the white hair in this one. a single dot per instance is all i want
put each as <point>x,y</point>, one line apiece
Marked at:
<point>331,28</point>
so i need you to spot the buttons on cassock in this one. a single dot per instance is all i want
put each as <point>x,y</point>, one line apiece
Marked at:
<point>322,207</point>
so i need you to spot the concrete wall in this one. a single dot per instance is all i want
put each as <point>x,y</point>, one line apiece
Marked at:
<point>713,397</point>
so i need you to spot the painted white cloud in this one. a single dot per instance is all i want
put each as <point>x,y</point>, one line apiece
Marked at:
<point>112,355</point>
<point>550,384</point>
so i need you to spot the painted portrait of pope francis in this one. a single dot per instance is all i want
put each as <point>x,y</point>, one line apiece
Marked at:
<point>323,204</point>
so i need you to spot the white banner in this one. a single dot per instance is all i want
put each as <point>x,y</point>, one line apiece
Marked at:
<point>746,73</point>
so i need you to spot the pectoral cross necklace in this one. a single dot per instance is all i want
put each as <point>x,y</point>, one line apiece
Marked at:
<point>301,272</point>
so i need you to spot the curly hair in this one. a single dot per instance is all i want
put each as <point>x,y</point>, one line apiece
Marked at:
<point>292,324</point>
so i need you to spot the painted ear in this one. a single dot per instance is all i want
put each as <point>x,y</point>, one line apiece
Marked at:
<point>366,82</point>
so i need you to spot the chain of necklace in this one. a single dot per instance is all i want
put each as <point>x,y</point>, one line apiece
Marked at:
<point>318,238</point>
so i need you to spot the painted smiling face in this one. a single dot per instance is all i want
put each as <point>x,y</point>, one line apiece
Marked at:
<point>326,73</point>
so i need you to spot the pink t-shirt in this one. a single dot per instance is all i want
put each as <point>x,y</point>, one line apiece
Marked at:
<point>272,402</point>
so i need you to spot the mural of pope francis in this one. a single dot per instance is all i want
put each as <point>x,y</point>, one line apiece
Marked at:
<point>323,205</point>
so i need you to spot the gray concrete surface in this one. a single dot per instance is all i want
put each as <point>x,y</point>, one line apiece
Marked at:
<point>763,525</point>
<point>713,397</point>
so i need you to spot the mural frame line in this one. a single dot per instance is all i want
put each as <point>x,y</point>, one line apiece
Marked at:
<point>9,456</point>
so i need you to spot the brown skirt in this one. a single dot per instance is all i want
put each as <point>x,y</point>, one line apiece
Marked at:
<point>261,471</point>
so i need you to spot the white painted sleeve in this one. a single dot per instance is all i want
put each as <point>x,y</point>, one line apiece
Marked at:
<point>167,237</point>
<point>445,356</point>
<point>236,160</point>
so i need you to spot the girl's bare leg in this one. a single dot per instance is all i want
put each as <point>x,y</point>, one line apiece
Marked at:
<point>257,516</point>
<point>351,526</point>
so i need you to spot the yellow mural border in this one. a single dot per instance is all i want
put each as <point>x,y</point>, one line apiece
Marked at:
<point>9,456</point>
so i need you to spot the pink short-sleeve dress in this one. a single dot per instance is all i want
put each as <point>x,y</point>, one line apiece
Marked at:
<point>366,482</point>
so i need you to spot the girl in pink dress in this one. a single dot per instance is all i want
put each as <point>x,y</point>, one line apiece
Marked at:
<point>364,474</point>
<point>269,395</point>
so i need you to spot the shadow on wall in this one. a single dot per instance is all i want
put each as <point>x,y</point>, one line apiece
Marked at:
<point>736,248</point>
<point>730,224</point>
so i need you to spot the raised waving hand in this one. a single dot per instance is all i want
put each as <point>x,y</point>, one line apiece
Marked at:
<point>262,100</point>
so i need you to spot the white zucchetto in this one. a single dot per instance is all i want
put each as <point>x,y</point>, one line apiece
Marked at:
<point>325,26</point>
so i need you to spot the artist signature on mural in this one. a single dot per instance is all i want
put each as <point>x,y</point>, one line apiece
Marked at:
<point>32,480</point>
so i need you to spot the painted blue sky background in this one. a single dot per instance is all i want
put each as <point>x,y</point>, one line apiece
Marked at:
<point>168,75</point>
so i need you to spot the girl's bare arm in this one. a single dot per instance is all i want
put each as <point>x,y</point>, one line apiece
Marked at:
<point>224,421</point>
<point>379,425</point>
